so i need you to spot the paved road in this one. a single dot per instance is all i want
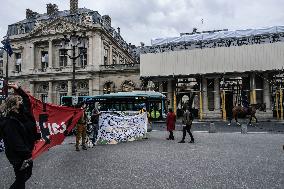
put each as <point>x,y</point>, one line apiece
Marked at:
<point>270,127</point>
<point>216,160</point>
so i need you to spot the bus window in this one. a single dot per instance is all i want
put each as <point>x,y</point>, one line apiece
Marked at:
<point>66,101</point>
<point>155,111</point>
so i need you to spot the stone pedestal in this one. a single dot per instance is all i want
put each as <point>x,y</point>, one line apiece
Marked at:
<point>244,129</point>
<point>212,128</point>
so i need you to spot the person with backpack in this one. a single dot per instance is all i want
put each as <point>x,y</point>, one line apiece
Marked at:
<point>19,132</point>
<point>187,121</point>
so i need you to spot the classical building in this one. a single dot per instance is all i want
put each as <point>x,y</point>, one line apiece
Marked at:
<point>1,62</point>
<point>211,69</point>
<point>41,65</point>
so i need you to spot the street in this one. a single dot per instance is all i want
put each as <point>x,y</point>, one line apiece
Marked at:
<point>226,159</point>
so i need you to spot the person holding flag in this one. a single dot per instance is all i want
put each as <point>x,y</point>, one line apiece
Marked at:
<point>19,132</point>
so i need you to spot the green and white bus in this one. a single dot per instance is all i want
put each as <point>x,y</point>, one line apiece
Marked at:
<point>127,102</point>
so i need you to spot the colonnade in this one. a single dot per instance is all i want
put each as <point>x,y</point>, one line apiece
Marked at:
<point>217,113</point>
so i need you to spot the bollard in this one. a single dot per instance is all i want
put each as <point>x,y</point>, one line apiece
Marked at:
<point>244,129</point>
<point>212,128</point>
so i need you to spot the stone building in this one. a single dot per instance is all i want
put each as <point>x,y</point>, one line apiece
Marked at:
<point>211,69</point>
<point>1,63</point>
<point>42,67</point>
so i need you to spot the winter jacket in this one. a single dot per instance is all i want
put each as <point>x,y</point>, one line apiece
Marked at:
<point>171,121</point>
<point>19,131</point>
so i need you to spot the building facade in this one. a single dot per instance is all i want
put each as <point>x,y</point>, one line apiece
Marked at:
<point>211,69</point>
<point>42,67</point>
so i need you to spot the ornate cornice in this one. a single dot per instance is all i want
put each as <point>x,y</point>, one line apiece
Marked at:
<point>58,26</point>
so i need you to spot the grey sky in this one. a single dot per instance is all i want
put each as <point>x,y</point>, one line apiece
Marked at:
<point>142,20</point>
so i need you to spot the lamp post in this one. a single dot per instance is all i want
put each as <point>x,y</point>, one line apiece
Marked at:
<point>76,42</point>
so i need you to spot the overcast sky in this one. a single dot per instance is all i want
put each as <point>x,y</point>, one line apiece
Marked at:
<point>142,20</point>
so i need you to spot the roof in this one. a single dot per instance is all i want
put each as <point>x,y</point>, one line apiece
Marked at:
<point>218,35</point>
<point>134,93</point>
<point>45,16</point>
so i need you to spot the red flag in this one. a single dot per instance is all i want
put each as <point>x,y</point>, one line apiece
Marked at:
<point>60,121</point>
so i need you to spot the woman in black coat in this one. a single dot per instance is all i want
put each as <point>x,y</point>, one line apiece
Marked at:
<point>19,133</point>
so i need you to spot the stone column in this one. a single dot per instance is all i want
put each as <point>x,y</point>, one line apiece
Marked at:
<point>252,89</point>
<point>69,88</point>
<point>204,95</point>
<point>110,55</point>
<point>170,93</point>
<point>217,94</point>
<point>98,51</point>
<point>33,66</point>
<point>50,50</point>
<point>50,92</point>
<point>161,87</point>
<point>90,52</point>
<point>32,89</point>
<point>266,93</point>
<point>90,87</point>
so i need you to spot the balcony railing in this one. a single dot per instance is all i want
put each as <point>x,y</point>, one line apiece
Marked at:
<point>118,67</point>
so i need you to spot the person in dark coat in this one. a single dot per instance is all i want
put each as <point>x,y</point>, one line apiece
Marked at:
<point>19,133</point>
<point>187,121</point>
<point>95,121</point>
<point>171,123</point>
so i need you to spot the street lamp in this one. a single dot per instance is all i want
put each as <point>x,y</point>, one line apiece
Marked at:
<point>75,41</point>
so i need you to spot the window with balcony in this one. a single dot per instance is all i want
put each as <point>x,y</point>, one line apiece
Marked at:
<point>62,58</point>
<point>105,56</point>
<point>114,59</point>
<point>44,60</point>
<point>121,60</point>
<point>83,57</point>
<point>18,65</point>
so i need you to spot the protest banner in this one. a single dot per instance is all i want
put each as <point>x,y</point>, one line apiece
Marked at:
<point>121,128</point>
<point>57,123</point>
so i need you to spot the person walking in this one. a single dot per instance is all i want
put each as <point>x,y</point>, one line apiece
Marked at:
<point>171,122</point>
<point>95,121</point>
<point>187,121</point>
<point>82,129</point>
<point>19,133</point>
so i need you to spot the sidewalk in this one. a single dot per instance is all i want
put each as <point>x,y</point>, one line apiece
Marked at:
<point>221,126</point>
<point>241,120</point>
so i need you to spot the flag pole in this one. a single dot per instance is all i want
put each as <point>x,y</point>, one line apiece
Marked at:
<point>7,77</point>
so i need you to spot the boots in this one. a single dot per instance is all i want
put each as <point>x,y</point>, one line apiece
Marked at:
<point>84,147</point>
<point>77,148</point>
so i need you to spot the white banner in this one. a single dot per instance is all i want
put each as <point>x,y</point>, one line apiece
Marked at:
<point>121,128</point>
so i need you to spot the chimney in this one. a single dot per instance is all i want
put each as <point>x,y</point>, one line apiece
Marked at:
<point>73,6</point>
<point>30,14</point>
<point>51,9</point>
<point>106,20</point>
<point>118,30</point>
